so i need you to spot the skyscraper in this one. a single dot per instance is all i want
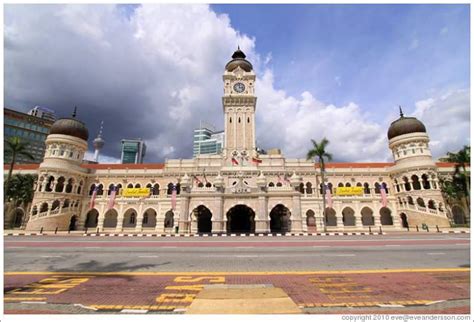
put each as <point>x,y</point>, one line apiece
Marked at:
<point>133,151</point>
<point>207,141</point>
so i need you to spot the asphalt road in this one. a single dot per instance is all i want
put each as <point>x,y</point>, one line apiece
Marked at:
<point>235,254</point>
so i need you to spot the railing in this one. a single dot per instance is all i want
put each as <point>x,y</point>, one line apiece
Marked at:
<point>203,189</point>
<point>282,188</point>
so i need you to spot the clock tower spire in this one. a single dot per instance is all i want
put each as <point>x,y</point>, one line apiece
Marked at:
<point>239,103</point>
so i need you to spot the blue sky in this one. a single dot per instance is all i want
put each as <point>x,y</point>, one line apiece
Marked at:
<point>376,55</point>
<point>153,71</point>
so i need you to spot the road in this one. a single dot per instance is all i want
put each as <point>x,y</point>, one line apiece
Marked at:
<point>100,254</point>
<point>394,273</point>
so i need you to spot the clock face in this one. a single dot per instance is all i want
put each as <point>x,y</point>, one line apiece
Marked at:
<point>239,87</point>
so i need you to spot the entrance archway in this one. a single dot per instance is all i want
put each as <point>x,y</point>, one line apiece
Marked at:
<point>310,221</point>
<point>330,217</point>
<point>367,216</point>
<point>130,219</point>
<point>72,223</point>
<point>280,219</point>
<point>240,219</point>
<point>203,216</point>
<point>110,219</point>
<point>92,218</point>
<point>404,219</point>
<point>149,219</point>
<point>386,216</point>
<point>348,217</point>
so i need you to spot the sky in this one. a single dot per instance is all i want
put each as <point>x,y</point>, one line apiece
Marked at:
<point>154,71</point>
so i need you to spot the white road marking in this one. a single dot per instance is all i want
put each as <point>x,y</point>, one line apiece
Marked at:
<point>133,311</point>
<point>339,255</point>
<point>50,256</point>
<point>436,253</point>
<point>148,256</point>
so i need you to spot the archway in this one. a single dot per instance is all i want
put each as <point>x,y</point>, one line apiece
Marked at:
<point>169,219</point>
<point>130,218</point>
<point>280,219</point>
<point>310,221</point>
<point>72,223</point>
<point>149,218</point>
<point>240,219</point>
<point>386,216</point>
<point>404,219</point>
<point>458,215</point>
<point>203,216</point>
<point>18,218</point>
<point>367,216</point>
<point>110,219</point>
<point>330,217</point>
<point>92,218</point>
<point>348,217</point>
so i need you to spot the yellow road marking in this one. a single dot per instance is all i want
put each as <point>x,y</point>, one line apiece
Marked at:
<point>369,271</point>
<point>24,298</point>
<point>366,304</point>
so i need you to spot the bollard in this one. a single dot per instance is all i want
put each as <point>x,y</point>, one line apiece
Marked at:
<point>437,228</point>
<point>69,230</point>
<point>417,228</point>
<point>41,230</point>
<point>56,231</point>
<point>97,230</point>
<point>408,228</point>
<point>380,229</point>
<point>370,230</point>
<point>86,230</point>
<point>427,229</point>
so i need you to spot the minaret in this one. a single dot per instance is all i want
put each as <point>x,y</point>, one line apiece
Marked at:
<point>239,103</point>
<point>98,143</point>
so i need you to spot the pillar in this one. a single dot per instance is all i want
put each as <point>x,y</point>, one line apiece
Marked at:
<point>218,224</point>
<point>262,222</point>
<point>138,226</point>
<point>296,225</point>
<point>183,213</point>
<point>120,216</point>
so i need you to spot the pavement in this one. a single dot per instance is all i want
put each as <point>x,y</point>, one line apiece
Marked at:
<point>396,273</point>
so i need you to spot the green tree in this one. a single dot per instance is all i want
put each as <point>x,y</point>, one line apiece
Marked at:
<point>461,159</point>
<point>318,153</point>
<point>15,147</point>
<point>21,188</point>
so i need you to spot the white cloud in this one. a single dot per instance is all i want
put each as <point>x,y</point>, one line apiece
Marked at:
<point>447,120</point>
<point>157,73</point>
<point>444,31</point>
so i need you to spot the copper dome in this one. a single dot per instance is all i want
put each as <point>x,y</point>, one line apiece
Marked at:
<point>405,125</point>
<point>70,126</point>
<point>238,60</point>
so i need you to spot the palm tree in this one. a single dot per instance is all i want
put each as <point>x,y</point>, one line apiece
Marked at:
<point>15,148</point>
<point>461,158</point>
<point>319,151</point>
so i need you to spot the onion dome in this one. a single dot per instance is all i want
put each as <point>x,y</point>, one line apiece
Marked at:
<point>405,125</point>
<point>70,126</point>
<point>238,60</point>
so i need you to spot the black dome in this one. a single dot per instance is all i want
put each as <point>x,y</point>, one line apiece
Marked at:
<point>70,126</point>
<point>238,60</point>
<point>405,125</point>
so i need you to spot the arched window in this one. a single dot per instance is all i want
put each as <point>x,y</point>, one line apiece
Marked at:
<point>248,119</point>
<point>200,185</point>
<point>145,218</point>
<point>410,200</point>
<point>44,207</point>
<point>366,188</point>
<point>420,202</point>
<point>170,189</point>
<point>348,184</point>
<point>208,185</point>
<point>271,184</point>
<point>169,219</point>
<point>300,188</point>
<point>156,189</point>
<point>49,185</point>
<point>132,218</point>
<point>130,185</point>
<point>111,187</point>
<point>69,185</point>
<point>416,182</point>
<point>230,119</point>
<point>79,189</point>
<point>407,184</point>
<point>340,185</point>
<point>359,184</point>
<point>138,185</point>
<point>396,185</point>
<point>34,211</point>
<point>178,189</point>
<point>309,188</point>
<point>425,182</point>
<point>377,187</point>
<point>279,184</point>
<point>92,190</point>
<point>431,205</point>
<point>330,187</point>
<point>385,187</point>
<point>239,119</point>
<point>118,188</point>
<point>100,190</point>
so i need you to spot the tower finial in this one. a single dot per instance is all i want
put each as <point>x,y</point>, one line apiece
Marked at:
<point>401,112</point>
<point>75,111</point>
<point>101,128</point>
<point>238,47</point>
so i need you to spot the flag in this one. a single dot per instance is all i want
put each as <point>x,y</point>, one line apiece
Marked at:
<point>328,196</point>
<point>256,160</point>
<point>204,175</point>
<point>196,179</point>
<point>173,198</point>
<point>383,194</point>
<point>279,178</point>
<point>94,194</point>
<point>112,198</point>
<point>286,178</point>
<point>234,161</point>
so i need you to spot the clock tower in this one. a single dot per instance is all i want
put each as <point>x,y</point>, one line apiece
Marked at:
<point>239,103</point>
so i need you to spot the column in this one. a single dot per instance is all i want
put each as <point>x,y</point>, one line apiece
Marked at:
<point>120,216</point>
<point>160,220</point>
<point>217,222</point>
<point>358,215</point>
<point>138,226</point>
<point>296,214</point>
<point>410,182</point>
<point>262,224</point>
<point>339,222</point>
<point>183,213</point>
<point>100,221</point>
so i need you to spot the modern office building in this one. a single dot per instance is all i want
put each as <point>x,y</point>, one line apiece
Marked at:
<point>43,112</point>
<point>133,151</point>
<point>31,129</point>
<point>207,141</point>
